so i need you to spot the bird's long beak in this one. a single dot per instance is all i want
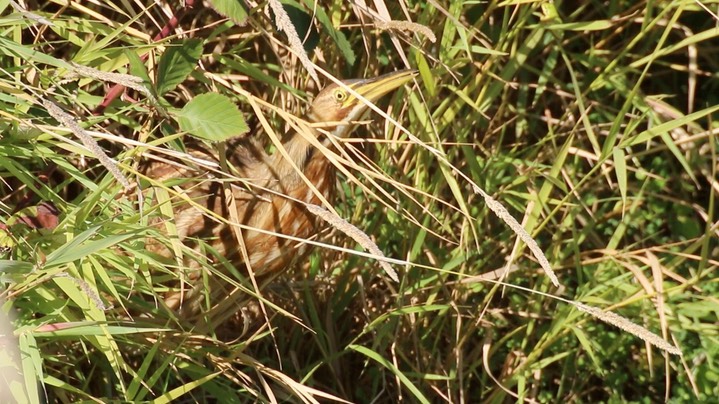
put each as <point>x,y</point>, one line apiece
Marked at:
<point>374,88</point>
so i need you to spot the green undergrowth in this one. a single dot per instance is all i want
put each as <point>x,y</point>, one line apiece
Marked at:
<point>592,123</point>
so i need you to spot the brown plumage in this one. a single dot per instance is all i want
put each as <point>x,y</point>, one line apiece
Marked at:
<point>270,203</point>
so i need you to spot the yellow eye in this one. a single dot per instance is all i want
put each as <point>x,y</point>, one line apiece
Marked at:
<point>340,95</point>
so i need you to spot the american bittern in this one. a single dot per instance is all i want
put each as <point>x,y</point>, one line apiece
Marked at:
<point>275,201</point>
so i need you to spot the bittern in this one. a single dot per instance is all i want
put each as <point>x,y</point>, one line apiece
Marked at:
<point>275,205</point>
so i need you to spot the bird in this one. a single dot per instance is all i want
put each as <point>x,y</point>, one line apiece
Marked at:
<point>271,201</point>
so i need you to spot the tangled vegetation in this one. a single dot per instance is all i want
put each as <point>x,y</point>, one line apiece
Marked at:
<point>592,124</point>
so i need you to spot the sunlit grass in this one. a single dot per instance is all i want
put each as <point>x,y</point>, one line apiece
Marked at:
<point>591,123</point>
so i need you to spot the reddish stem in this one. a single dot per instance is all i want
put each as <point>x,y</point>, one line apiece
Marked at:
<point>116,90</point>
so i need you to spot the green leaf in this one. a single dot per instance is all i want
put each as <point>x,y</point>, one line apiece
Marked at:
<point>180,391</point>
<point>212,117</point>
<point>77,248</point>
<point>59,254</point>
<point>137,67</point>
<point>598,25</point>
<point>231,9</point>
<point>481,50</point>
<point>31,363</point>
<point>620,168</point>
<point>85,328</point>
<point>50,380</point>
<point>426,74</point>
<point>15,267</point>
<point>178,61</point>
<point>14,271</point>
<point>15,384</point>
<point>389,365</point>
<point>587,345</point>
<point>335,34</point>
<point>668,126</point>
<point>14,49</point>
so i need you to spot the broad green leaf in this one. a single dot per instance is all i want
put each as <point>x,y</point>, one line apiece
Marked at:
<point>232,9</point>
<point>212,117</point>
<point>178,61</point>
<point>699,309</point>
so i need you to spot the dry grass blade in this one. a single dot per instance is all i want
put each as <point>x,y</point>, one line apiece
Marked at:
<point>204,163</point>
<point>628,326</point>
<point>30,15</point>
<point>513,224</point>
<point>70,123</point>
<point>407,26</point>
<point>285,24</point>
<point>357,235</point>
<point>88,290</point>
<point>126,80</point>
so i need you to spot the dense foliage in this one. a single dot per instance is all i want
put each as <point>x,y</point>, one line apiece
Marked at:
<point>592,122</point>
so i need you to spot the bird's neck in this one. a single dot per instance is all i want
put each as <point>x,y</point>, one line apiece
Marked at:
<point>300,152</point>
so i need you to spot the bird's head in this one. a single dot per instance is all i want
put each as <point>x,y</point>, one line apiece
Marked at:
<point>335,104</point>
